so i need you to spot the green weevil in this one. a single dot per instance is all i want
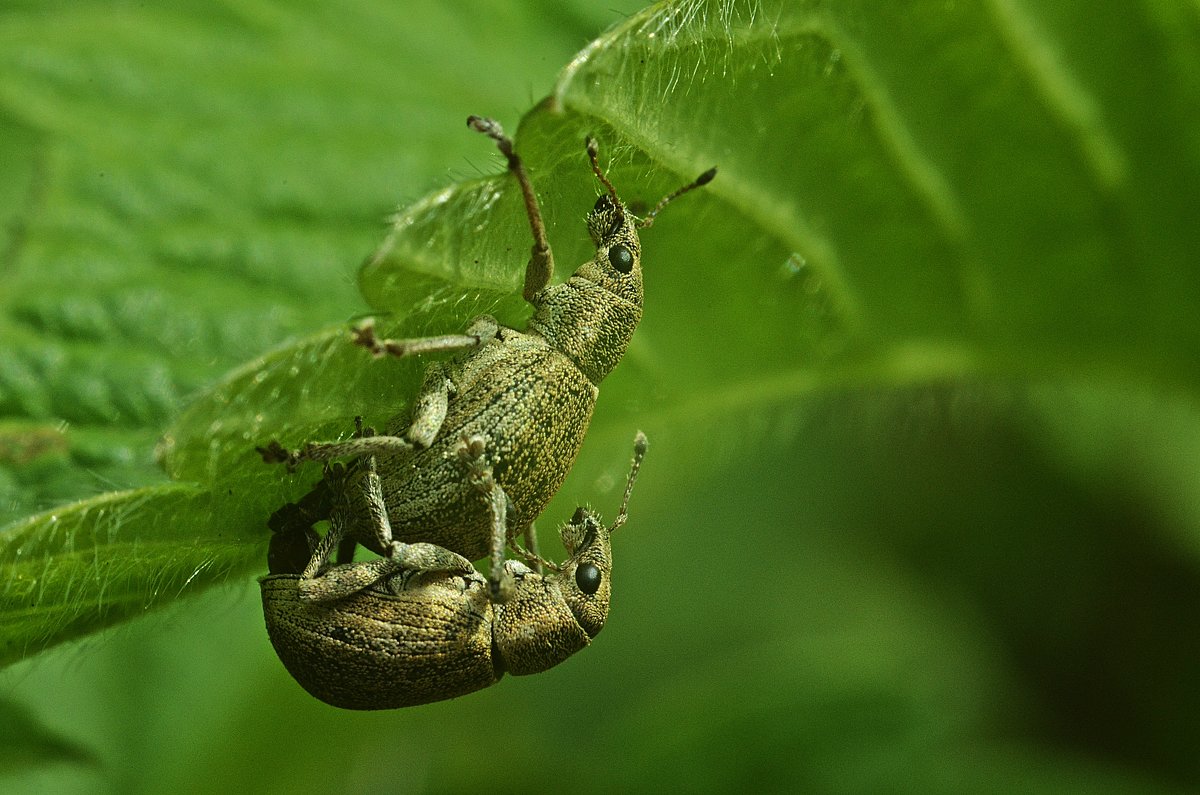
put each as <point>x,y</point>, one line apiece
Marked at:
<point>526,394</point>
<point>408,636</point>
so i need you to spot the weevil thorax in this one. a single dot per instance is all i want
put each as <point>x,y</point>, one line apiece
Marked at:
<point>535,630</point>
<point>550,618</point>
<point>592,316</point>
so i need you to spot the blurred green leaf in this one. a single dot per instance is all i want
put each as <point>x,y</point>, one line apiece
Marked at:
<point>25,743</point>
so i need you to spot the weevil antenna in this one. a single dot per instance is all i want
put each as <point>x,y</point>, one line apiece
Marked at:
<point>640,443</point>
<point>703,179</point>
<point>593,151</point>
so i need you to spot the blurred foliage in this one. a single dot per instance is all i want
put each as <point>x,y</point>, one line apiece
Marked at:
<point>918,371</point>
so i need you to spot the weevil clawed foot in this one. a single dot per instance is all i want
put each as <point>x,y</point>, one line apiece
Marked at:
<point>362,431</point>
<point>275,453</point>
<point>363,335</point>
<point>470,452</point>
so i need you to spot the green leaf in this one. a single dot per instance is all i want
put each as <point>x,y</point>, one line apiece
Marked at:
<point>191,188</point>
<point>895,230</point>
<point>918,370</point>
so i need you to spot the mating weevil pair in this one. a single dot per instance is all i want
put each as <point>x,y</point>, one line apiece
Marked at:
<point>407,636</point>
<point>528,395</point>
<point>511,412</point>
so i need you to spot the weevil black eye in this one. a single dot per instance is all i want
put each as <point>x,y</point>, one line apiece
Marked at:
<point>588,578</point>
<point>602,203</point>
<point>620,258</point>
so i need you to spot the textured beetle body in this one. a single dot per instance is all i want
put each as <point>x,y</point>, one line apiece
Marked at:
<point>527,396</point>
<point>531,406</point>
<point>414,637</point>
<point>381,650</point>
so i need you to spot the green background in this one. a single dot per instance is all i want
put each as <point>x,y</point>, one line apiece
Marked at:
<point>918,369</point>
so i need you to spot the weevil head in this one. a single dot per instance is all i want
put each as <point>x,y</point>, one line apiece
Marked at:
<point>534,630</point>
<point>585,578</point>
<point>551,617</point>
<point>617,265</point>
<point>592,316</point>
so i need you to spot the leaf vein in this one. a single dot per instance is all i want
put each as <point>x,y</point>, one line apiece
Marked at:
<point>1062,95</point>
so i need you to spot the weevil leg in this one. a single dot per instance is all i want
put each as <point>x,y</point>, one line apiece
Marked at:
<point>541,259</point>
<point>320,555</point>
<point>500,581</point>
<point>420,556</point>
<point>482,330</point>
<point>431,405</point>
<point>338,582</point>
<point>377,518</point>
<point>535,561</point>
<point>382,446</point>
<point>342,514</point>
<point>293,539</point>
<point>292,524</point>
<point>318,583</point>
<point>361,512</point>
<point>531,547</point>
<point>423,556</point>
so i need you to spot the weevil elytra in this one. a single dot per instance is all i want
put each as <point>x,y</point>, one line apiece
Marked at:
<point>407,636</point>
<point>527,395</point>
